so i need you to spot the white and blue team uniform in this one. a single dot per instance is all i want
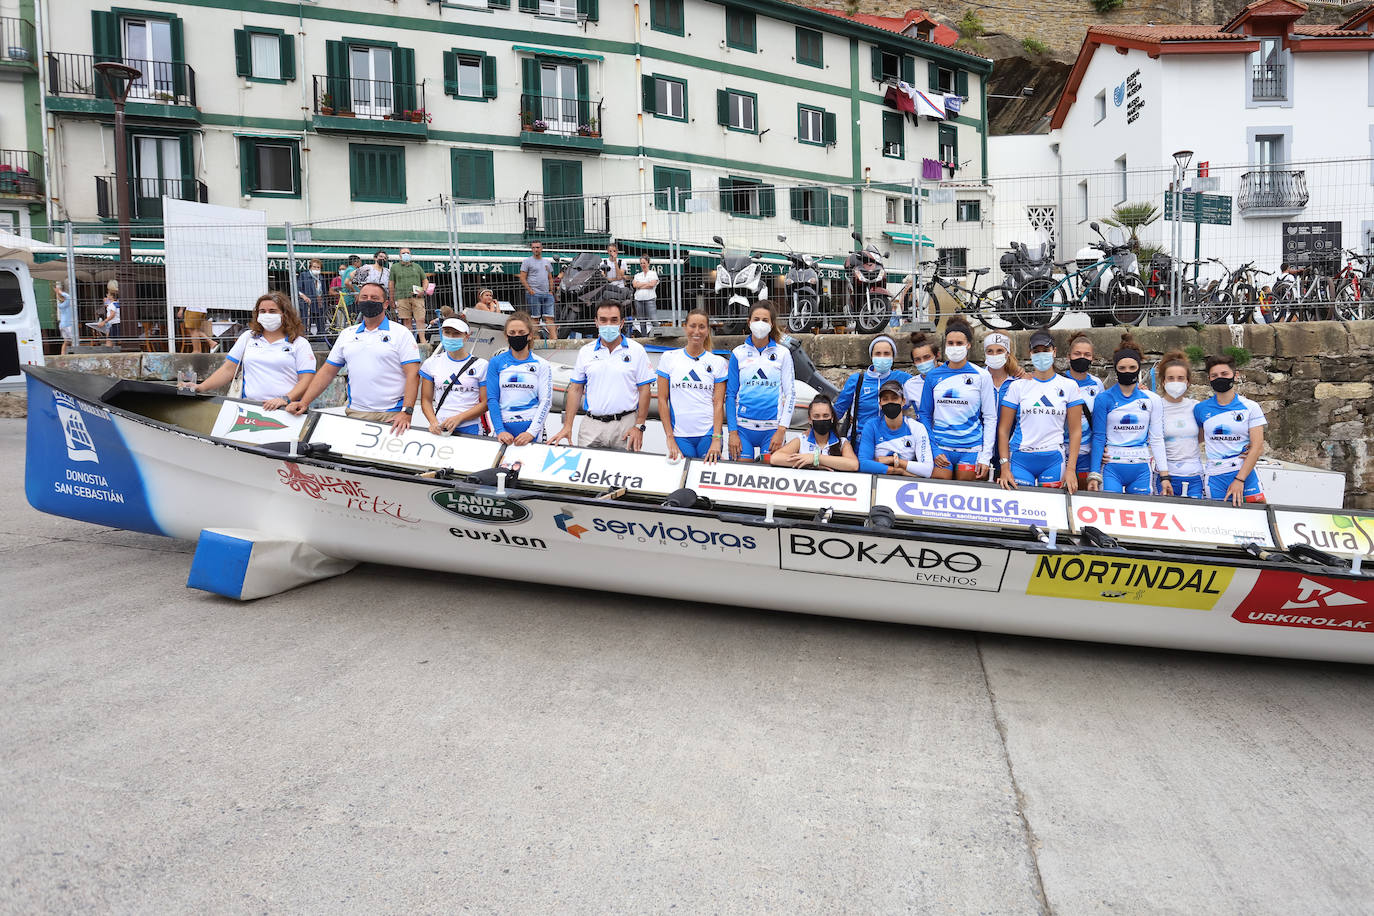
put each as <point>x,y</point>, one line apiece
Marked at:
<point>759,395</point>
<point>807,445</point>
<point>519,394</point>
<point>909,440</point>
<point>1128,432</point>
<point>859,397</point>
<point>1226,432</point>
<point>959,407</point>
<point>691,397</point>
<point>463,378</point>
<point>1088,388</point>
<point>1181,447</point>
<point>1037,441</point>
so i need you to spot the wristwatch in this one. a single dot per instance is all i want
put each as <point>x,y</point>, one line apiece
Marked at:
<point>408,411</point>
<point>642,427</point>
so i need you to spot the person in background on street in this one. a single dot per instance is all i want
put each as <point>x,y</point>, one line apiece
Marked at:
<point>408,292</point>
<point>892,443</point>
<point>759,395</point>
<point>433,328</point>
<point>66,315</point>
<point>383,366</point>
<point>453,384</point>
<point>610,380</point>
<point>535,277</point>
<point>349,278</point>
<point>925,353</point>
<point>959,407</point>
<point>691,393</point>
<point>1182,434</point>
<point>519,386</point>
<point>376,272</point>
<point>195,325</point>
<point>1128,430</point>
<point>273,355</point>
<point>821,448</point>
<point>1089,387</point>
<point>858,399</point>
<point>486,302</point>
<point>1038,412</point>
<point>1233,430</point>
<point>646,296</point>
<point>108,324</point>
<point>310,289</point>
<point>1003,368</point>
<point>610,266</point>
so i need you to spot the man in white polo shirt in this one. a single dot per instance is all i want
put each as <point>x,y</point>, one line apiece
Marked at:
<point>383,366</point>
<point>614,374</point>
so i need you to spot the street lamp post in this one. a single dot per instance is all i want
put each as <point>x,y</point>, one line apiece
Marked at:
<point>119,79</point>
<point>1181,160</point>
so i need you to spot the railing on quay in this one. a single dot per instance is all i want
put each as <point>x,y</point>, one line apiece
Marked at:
<point>353,97</point>
<point>166,82</point>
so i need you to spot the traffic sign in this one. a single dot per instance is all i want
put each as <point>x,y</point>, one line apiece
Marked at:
<point>1215,208</point>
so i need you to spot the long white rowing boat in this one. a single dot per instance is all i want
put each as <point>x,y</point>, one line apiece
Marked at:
<point>275,501</point>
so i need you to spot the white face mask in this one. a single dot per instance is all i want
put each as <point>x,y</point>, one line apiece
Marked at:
<point>1175,389</point>
<point>315,271</point>
<point>996,360</point>
<point>405,256</point>
<point>270,321</point>
<point>956,354</point>
<point>760,329</point>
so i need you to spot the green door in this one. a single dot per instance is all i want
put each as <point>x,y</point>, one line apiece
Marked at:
<point>563,215</point>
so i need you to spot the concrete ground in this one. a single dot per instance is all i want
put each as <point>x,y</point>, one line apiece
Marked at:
<point>387,742</point>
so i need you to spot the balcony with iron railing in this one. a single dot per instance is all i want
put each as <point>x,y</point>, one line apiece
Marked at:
<point>145,195</point>
<point>1268,82</point>
<point>383,108</point>
<point>1272,192</point>
<point>560,123</point>
<point>565,219</point>
<point>166,89</point>
<point>17,43</point>
<point>21,174</point>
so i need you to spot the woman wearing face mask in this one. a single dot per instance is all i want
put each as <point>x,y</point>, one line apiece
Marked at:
<point>759,388</point>
<point>273,355</point>
<point>1003,369</point>
<point>1038,411</point>
<point>310,290</point>
<point>1089,387</point>
<point>1233,429</point>
<point>894,444</point>
<point>1182,434</point>
<point>959,407</point>
<point>691,393</point>
<point>925,353</point>
<point>519,386</point>
<point>821,448</point>
<point>859,399</point>
<point>453,384</point>
<point>1128,430</point>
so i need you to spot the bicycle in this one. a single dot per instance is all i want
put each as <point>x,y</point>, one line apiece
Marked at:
<point>341,318</point>
<point>1043,301</point>
<point>982,305</point>
<point>1353,288</point>
<point>1295,300</point>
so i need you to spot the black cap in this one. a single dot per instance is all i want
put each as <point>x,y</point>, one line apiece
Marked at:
<point>1041,339</point>
<point>892,385</point>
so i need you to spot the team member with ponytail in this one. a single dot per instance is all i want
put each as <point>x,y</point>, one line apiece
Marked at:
<point>821,448</point>
<point>1003,368</point>
<point>925,353</point>
<point>1182,434</point>
<point>1128,430</point>
<point>859,398</point>
<point>1233,428</point>
<point>759,395</point>
<point>691,393</point>
<point>892,443</point>
<point>519,386</point>
<point>1044,407</point>
<point>959,407</point>
<point>1089,387</point>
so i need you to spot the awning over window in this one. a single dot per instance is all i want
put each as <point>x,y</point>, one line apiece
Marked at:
<point>904,238</point>
<point>560,52</point>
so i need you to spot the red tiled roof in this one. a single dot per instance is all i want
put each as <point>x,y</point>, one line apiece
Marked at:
<point>1160,33</point>
<point>1295,9</point>
<point>941,34</point>
<point>1329,31</point>
<point>1358,18</point>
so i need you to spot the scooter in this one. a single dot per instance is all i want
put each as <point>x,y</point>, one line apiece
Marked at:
<point>582,287</point>
<point>739,284</point>
<point>802,287</point>
<point>870,302</point>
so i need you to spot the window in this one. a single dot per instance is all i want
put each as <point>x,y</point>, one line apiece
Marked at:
<point>666,16</point>
<point>737,110</point>
<point>839,209</point>
<point>740,29</point>
<point>953,260</point>
<point>899,211</point>
<point>894,143</point>
<point>666,182</point>
<point>889,66</point>
<point>269,167</point>
<point>810,48</point>
<point>944,81</point>
<point>1269,151</point>
<point>1268,77</point>
<point>473,176</point>
<point>558,9</point>
<point>1083,200</point>
<point>377,173</point>
<point>968,211</point>
<point>1122,177</point>
<point>1100,107</point>
<point>810,205</point>
<point>949,145</point>
<point>810,125</point>
<point>469,75</point>
<point>747,197</point>
<point>665,97</point>
<point>264,55</point>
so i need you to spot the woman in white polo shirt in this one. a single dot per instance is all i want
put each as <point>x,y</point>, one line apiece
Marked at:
<point>273,355</point>
<point>453,383</point>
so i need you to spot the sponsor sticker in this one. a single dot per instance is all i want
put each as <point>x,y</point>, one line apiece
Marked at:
<point>500,538</point>
<point>365,440</point>
<point>785,488</point>
<point>340,491</point>
<point>1209,524</point>
<point>595,469</point>
<point>1345,535</point>
<point>477,507</point>
<point>1291,599</point>
<point>1161,583</point>
<point>980,504</point>
<point>894,560</point>
<point>242,422</point>
<point>665,534</point>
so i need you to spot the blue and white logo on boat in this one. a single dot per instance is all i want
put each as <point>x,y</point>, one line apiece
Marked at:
<point>80,445</point>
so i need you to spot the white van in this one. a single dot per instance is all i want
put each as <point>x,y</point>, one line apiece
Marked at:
<point>21,334</point>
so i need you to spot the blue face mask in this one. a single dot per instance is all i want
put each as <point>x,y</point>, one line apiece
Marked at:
<point>882,364</point>
<point>925,367</point>
<point>452,344</point>
<point>608,332</point>
<point>1042,361</point>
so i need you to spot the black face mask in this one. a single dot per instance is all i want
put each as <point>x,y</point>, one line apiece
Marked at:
<point>822,427</point>
<point>370,308</point>
<point>890,410</point>
<point>1080,364</point>
<point>1223,385</point>
<point>518,342</point>
<point>1128,378</point>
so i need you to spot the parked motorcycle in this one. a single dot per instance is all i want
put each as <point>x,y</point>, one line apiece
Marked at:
<point>739,284</point>
<point>582,287</point>
<point>802,289</point>
<point>869,301</point>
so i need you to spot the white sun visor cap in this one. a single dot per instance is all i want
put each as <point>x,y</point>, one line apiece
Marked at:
<point>456,324</point>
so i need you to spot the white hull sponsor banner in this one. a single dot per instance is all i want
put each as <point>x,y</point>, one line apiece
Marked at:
<point>965,503</point>
<point>1173,522</point>
<point>894,559</point>
<point>595,469</point>
<point>244,421</point>
<point>655,532</point>
<point>1344,534</point>
<point>364,440</point>
<point>784,488</point>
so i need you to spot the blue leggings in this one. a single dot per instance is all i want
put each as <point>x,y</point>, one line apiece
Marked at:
<point>754,442</point>
<point>957,459</point>
<point>1196,488</point>
<point>1126,477</point>
<point>1217,485</point>
<point>517,428</point>
<point>1043,469</point>
<point>693,446</point>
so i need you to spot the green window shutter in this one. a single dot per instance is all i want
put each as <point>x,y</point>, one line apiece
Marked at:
<point>829,128</point>
<point>934,76</point>
<point>723,107</point>
<point>529,6</point>
<point>795,201</point>
<point>288,57</point>
<point>839,209</point>
<point>377,173</point>
<point>188,167</point>
<point>498,4</point>
<point>451,73</point>
<point>403,75</point>
<point>768,201</point>
<point>248,165</point>
<point>909,69</point>
<point>666,16</point>
<point>589,10</point>
<point>243,53</point>
<point>961,82</point>
<point>336,81</point>
<point>662,189</point>
<point>727,197</point>
<point>530,106</point>
<point>105,43</point>
<point>488,76</point>
<point>649,94</point>
<point>178,37</point>
<point>877,63</point>
<point>584,105</point>
<point>473,175</point>
<point>810,47</point>
<point>892,127</point>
